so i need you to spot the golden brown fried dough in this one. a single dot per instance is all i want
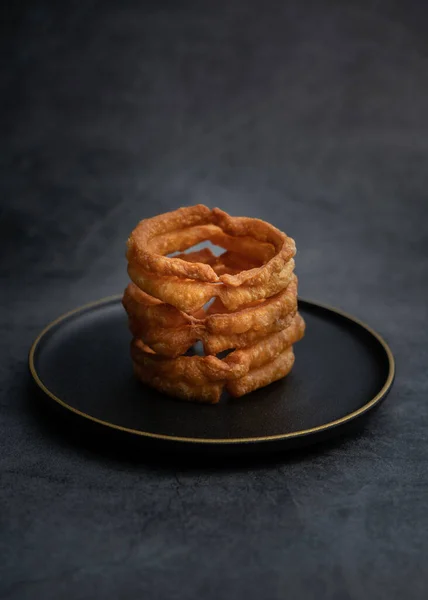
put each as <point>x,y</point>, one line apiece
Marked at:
<point>244,300</point>
<point>200,370</point>
<point>262,376</point>
<point>208,393</point>
<point>171,332</point>
<point>189,295</point>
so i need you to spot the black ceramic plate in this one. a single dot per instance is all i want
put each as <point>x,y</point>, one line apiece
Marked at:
<point>342,371</point>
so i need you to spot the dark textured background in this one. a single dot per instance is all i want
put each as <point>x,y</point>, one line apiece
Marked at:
<point>311,114</point>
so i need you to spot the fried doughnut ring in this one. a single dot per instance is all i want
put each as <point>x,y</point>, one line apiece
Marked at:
<point>171,332</point>
<point>189,295</point>
<point>198,372</point>
<point>185,227</point>
<point>244,300</point>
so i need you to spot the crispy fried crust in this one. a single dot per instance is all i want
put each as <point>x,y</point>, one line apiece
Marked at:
<point>262,232</point>
<point>209,393</point>
<point>269,347</point>
<point>171,332</point>
<point>169,232</point>
<point>244,300</point>
<point>262,376</point>
<point>180,229</point>
<point>249,367</point>
<point>189,295</point>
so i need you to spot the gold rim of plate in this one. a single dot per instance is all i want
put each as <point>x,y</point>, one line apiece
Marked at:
<point>270,438</point>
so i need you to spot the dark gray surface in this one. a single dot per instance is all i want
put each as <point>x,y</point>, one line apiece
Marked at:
<point>312,115</point>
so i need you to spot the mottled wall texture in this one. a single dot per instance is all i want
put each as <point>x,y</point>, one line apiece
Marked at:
<point>311,114</point>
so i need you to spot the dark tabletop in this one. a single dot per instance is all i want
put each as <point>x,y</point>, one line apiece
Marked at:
<point>312,115</point>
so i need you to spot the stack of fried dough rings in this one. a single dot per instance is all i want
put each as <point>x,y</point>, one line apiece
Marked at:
<point>243,301</point>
